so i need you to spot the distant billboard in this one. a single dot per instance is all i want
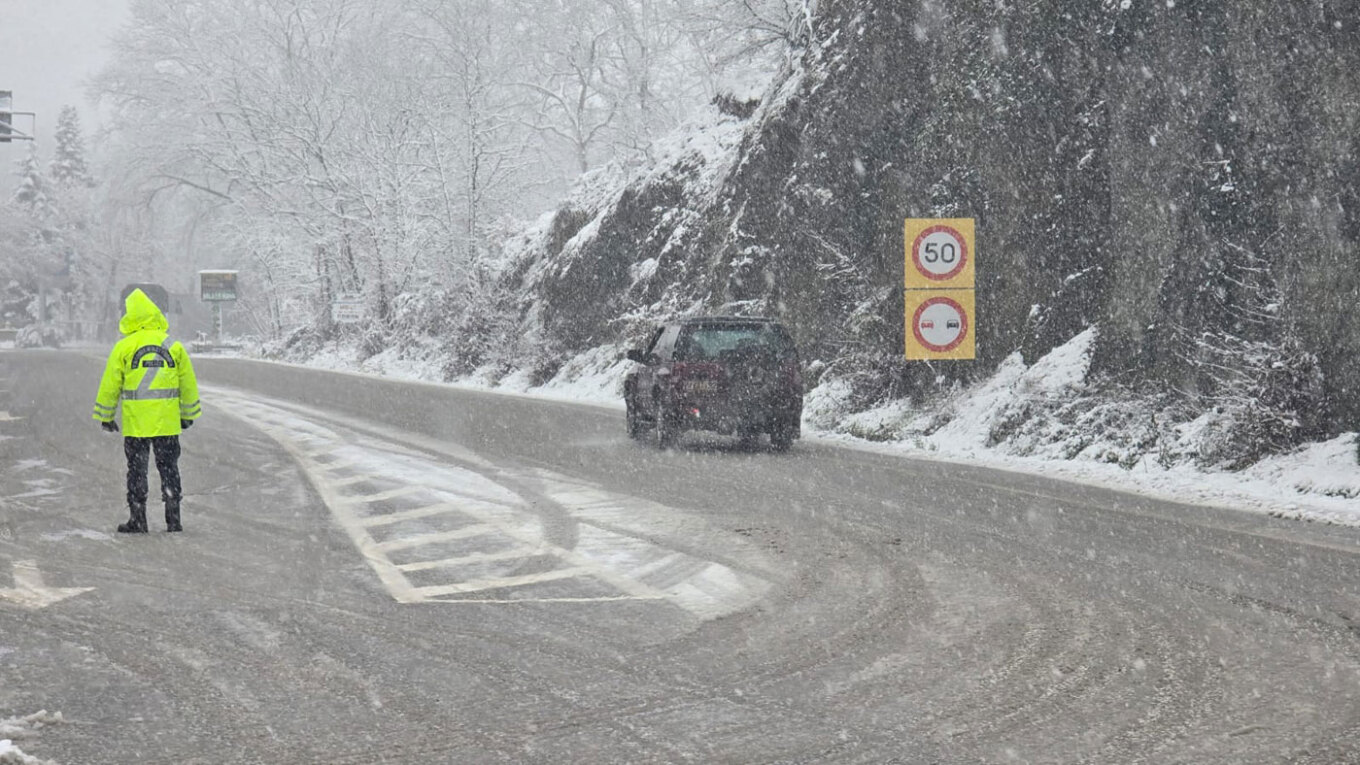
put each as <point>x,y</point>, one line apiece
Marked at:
<point>216,286</point>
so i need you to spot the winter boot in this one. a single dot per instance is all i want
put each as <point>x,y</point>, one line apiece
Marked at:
<point>172,515</point>
<point>137,523</point>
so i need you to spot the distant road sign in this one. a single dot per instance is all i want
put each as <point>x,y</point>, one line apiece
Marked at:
<point>940,253</point>
<point>217,286</point>
<point>940,325</point>
<point>348,309</point>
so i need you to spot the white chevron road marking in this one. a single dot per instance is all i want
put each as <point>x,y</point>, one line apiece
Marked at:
<point>458,528</point>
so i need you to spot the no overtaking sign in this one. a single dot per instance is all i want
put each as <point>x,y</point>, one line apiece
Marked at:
<point>939,324</point>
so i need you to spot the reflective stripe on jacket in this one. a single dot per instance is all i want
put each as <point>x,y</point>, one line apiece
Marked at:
<point>150,375</point>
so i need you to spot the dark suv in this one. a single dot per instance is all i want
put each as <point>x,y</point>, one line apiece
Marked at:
<point>724,374</point>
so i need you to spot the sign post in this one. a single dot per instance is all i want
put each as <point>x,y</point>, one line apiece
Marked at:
<point>217,287</point>
<point>941,258</point>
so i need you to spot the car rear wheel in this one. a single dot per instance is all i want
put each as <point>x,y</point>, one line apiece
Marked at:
<point>635,425</point>
<point>749,439</point>
<point>667,431</point>
<point>781,438</point>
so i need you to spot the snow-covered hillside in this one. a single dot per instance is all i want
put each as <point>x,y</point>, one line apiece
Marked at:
<point>1159,293</point>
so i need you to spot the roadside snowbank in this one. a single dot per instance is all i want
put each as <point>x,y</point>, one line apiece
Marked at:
<point>1021,419</point>
<point>1034,419</point>
<point>24,727</point>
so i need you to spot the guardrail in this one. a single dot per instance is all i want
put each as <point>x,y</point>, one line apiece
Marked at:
<point>207,347</point>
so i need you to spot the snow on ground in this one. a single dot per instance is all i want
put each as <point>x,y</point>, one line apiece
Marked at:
<point>62,536</point>
<point>20,728</point>
<point>13,755</point>
<point>595,376</point>
<point>1318,482</point>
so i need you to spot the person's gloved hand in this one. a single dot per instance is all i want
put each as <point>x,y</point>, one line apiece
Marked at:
<point>109,427</point>
<point>184,424</point>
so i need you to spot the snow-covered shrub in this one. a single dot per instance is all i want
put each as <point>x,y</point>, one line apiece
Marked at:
<point>39,336</point>
<point>1265,399</point>
<point>15,300</point>
<point>302,343</point>
<point>480,335</point>
<point>1045,399</point>
<point>1105,424</point>
<point>825,404</point>
<point>373,340</point>
<point>420,311</point>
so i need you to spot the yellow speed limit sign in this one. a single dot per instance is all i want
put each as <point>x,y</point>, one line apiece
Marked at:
<point>940,253</point>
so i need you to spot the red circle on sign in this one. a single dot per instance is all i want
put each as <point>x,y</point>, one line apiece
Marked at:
<point>916,253</point>
<point>916,325</point>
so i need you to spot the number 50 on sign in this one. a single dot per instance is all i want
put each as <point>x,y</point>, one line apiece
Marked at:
<point>940,253</point>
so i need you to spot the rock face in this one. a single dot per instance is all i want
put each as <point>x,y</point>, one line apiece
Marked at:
<point>1183,174</point>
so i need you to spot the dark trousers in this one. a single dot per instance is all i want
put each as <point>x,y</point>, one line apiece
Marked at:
<point>166,449</point>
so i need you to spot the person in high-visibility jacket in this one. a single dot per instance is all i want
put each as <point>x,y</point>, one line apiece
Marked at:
<point>154,379</point>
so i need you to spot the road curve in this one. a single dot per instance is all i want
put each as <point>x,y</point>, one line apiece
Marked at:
<point>378,571</point>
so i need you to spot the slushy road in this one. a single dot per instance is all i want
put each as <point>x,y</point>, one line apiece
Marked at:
<point>377,571</point>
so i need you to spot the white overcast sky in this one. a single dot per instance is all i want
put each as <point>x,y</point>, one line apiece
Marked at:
<point>48,49</point>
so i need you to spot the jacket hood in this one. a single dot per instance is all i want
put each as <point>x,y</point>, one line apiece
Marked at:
<point>141,314</point>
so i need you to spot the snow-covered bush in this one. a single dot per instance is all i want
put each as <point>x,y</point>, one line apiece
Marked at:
<point>300,344</point>
<point>1265,399</point>
<point>39,336</point>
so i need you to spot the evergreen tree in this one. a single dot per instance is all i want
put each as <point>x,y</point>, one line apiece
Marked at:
<point>68,166</point>
<point>32,193</point>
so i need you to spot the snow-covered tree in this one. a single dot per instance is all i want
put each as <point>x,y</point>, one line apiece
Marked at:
<point>378,148</point>
<point>68,167</point>
<point>32,193</point>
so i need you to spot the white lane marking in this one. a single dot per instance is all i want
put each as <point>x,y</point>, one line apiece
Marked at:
<point>490,505</point>
<point>29,590</point>
<point>379,496</point>
<point>517,601</point>
<point>514,553</point>
<point>331,467</point>
<point>612,525</point>
<point>641,572</point>
<point>420,540</point>
<point>615,543</point>
<point>5,416</point>
<point>443,508</point>
<point>503,582</point>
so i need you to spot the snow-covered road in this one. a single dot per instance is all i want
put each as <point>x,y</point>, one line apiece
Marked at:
<point>378,571</point>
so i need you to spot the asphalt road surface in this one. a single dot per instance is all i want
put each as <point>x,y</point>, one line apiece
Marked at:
<point>375,571</point>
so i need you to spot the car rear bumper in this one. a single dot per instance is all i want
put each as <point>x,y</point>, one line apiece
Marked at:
<point>733,418</point>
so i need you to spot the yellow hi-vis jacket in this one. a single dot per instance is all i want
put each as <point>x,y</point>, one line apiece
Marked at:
<point>151,375</point>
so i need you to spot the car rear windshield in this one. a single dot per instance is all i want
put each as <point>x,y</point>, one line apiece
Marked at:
<point>703,342</point>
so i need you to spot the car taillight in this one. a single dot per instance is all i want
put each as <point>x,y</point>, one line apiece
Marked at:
<point>793,374</point>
